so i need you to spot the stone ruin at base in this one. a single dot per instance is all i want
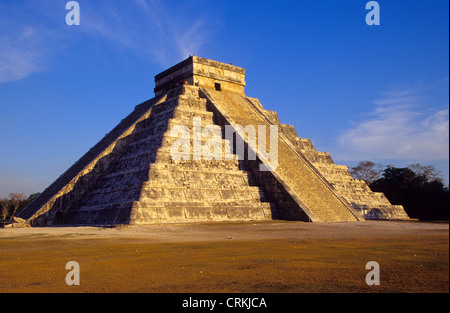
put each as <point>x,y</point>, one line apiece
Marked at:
<point>132,177</point>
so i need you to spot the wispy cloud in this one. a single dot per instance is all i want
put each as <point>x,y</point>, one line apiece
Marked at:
<point>33,32</point>
<point>20,55</point>
<point>400,127</point>
<point>30,35</point>
<point>147,27</point>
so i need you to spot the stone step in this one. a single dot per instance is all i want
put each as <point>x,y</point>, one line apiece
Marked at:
<point>201,138</point>
<point>188,112</point>
<point>152,192</point>
<point>192,102</point>
<point>316,157</point>
<point>333,172</point>
<point>208,165</point>
<point>164,156</point>
<point>113,203</point>
<point>151,212</point>
<point>351,189</point>
<point>198,177</point>
<point>188,122</point>
<point>372,200</point>
<point>121,170</point>
<point>203,149</point>
<point>303,144</point>
<point>148,213</point>
<point>139,155</point>
<point>113,216</point>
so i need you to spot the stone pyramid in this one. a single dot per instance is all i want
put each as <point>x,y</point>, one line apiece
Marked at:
<point>173,160</point>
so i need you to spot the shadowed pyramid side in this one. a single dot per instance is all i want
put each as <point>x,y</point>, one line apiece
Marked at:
<point>95,160</point>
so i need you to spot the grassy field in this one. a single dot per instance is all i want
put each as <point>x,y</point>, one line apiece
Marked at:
<point>36,263</point>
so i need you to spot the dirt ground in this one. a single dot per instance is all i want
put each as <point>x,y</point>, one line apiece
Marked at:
<point>275,256</point>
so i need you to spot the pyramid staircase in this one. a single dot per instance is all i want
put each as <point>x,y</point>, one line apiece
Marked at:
<point>356,192</point>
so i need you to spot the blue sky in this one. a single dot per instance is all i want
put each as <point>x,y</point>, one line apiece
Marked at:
<point>360,92</point>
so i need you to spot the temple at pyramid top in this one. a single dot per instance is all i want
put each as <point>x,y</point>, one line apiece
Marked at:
<point>201,72</point>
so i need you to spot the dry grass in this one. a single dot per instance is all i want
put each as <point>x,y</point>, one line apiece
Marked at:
<point>407,264</point>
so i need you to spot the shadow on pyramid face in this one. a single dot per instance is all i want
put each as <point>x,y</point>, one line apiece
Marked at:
<point>105,194</point>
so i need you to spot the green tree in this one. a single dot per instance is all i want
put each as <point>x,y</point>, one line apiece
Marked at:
<point>33,196</point>
<point>421,197</point>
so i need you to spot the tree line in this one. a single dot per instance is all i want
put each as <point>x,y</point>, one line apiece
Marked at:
<point>419,188</point>
<point>15,203</point>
